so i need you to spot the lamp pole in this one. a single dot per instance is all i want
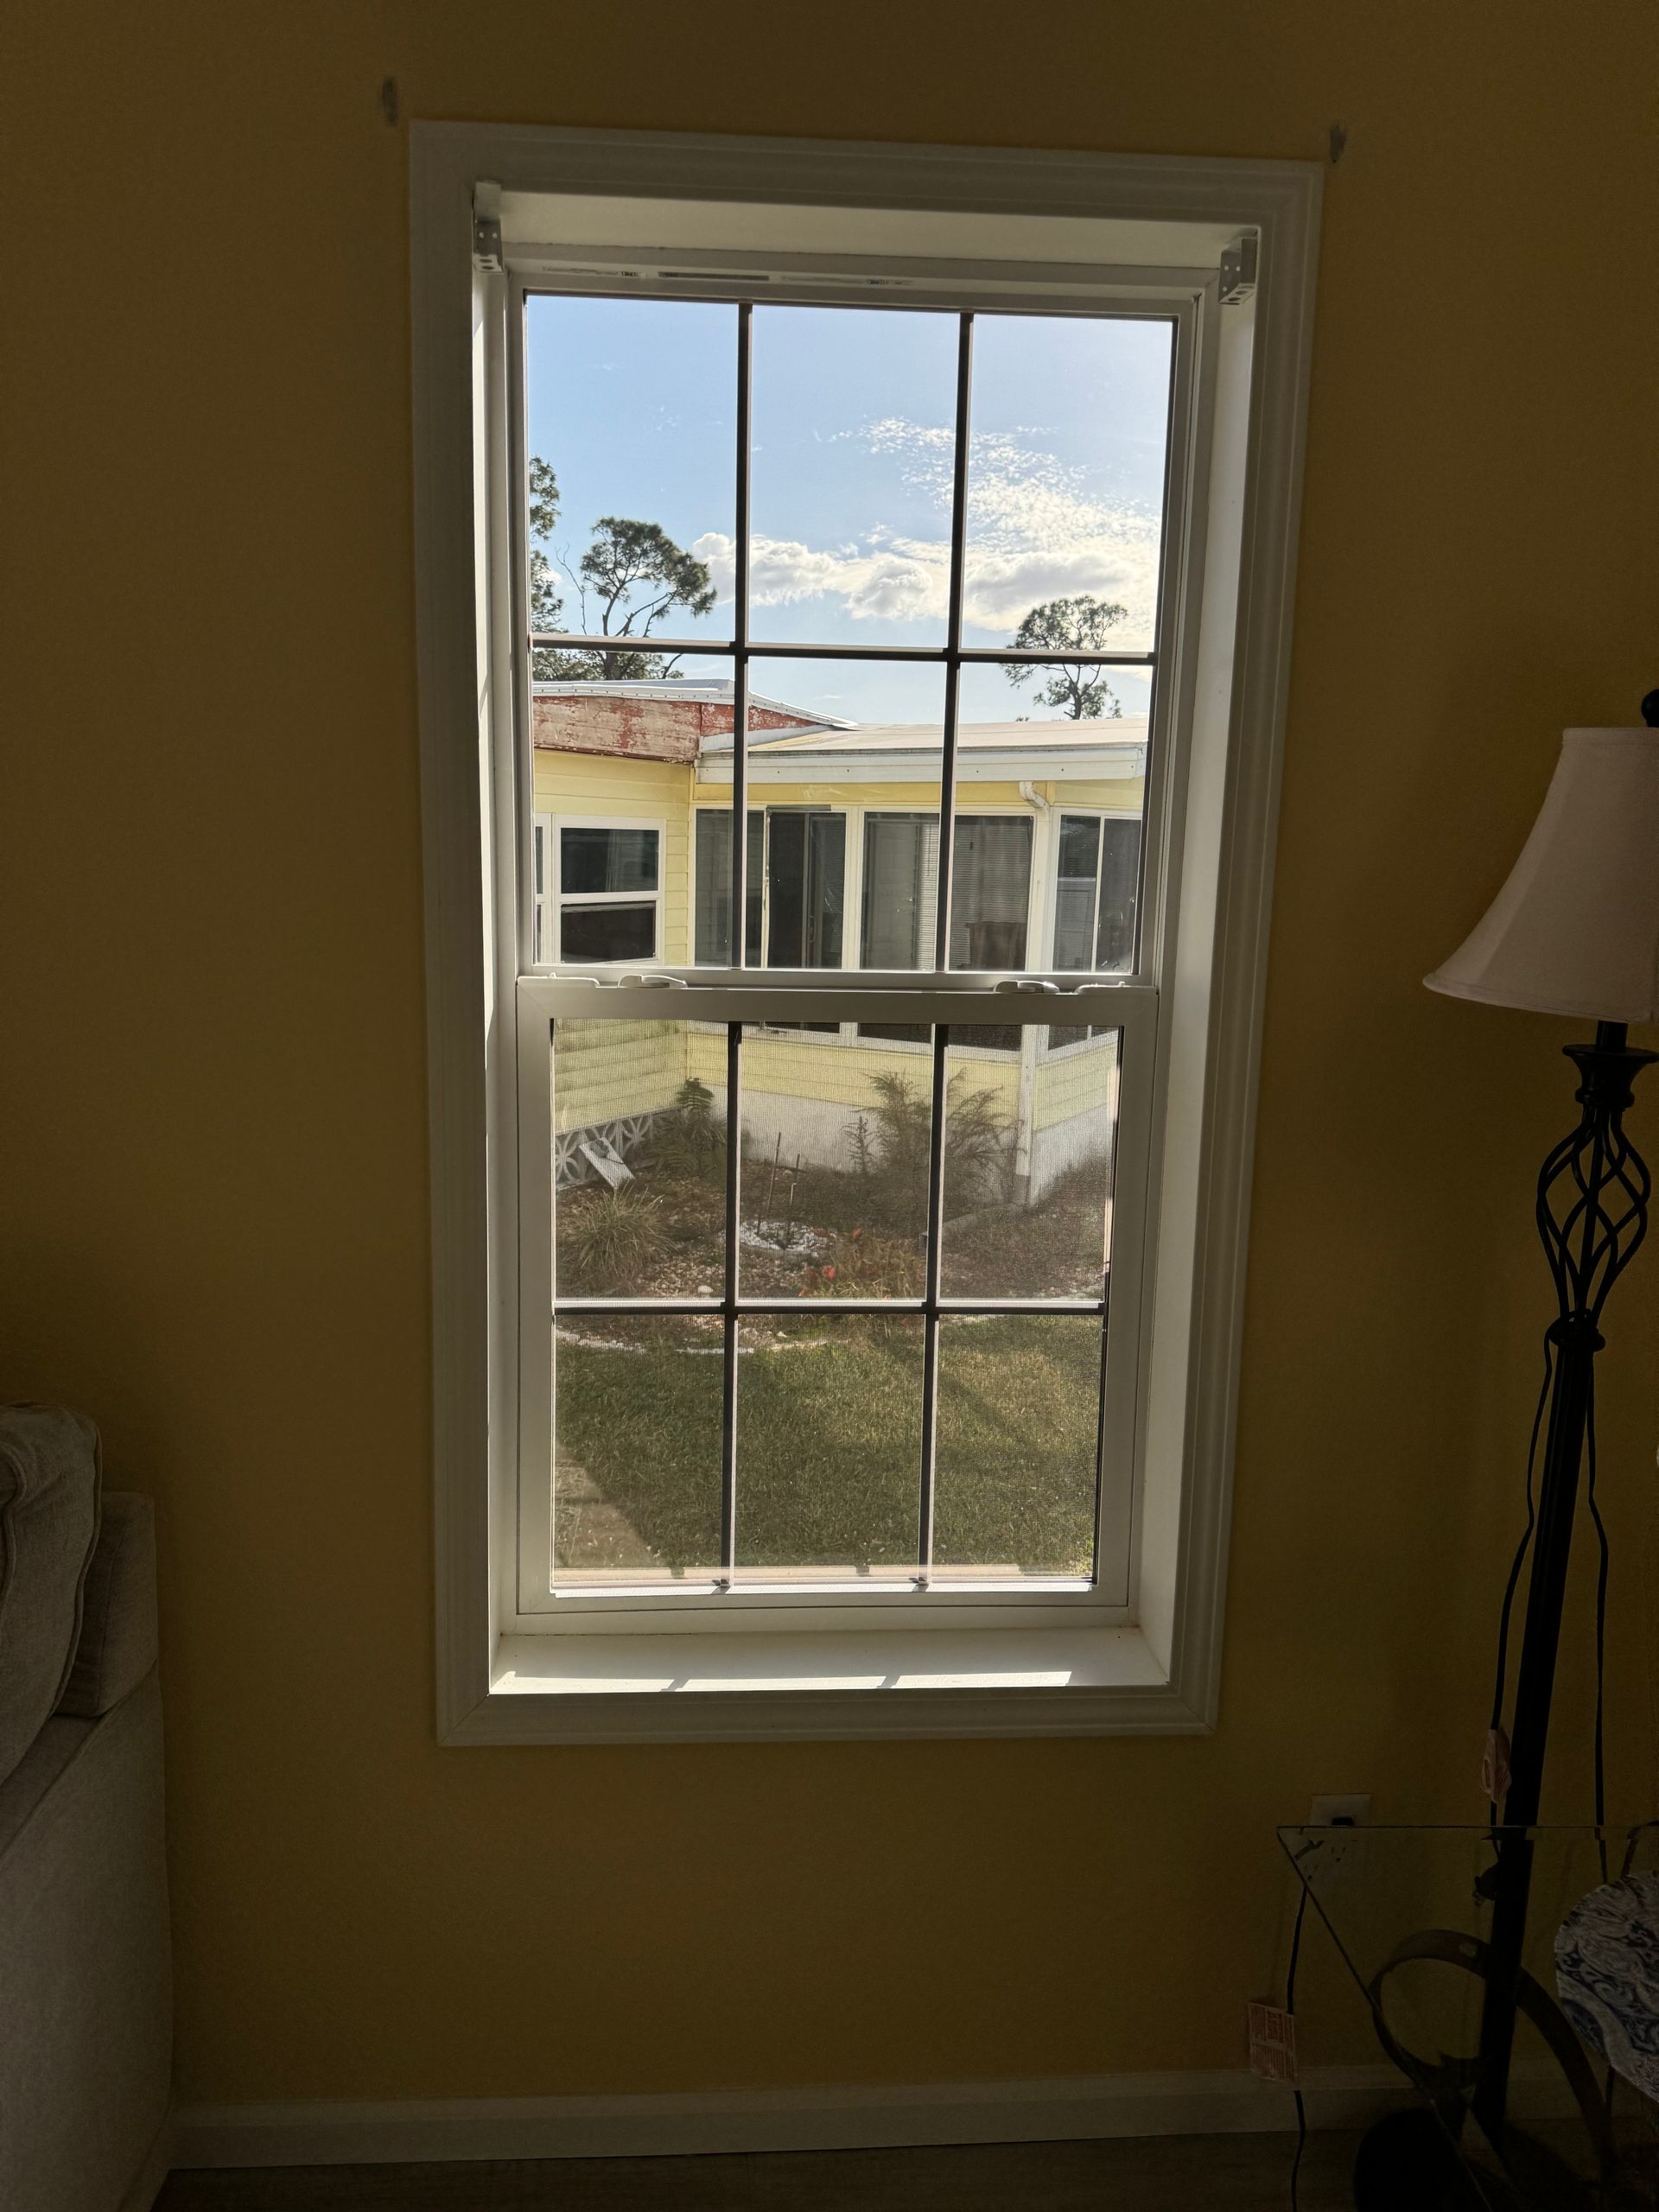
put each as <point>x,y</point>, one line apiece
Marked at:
<point>1574,931</point>
<point>1592,1213</point>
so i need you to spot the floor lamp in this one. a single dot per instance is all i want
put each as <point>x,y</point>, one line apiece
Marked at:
<point>1574,931</point>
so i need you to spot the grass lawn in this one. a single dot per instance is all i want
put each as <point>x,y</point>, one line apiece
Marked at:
<point>829,1442</point>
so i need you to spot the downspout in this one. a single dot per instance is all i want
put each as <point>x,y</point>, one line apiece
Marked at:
<point>1025,1098</point>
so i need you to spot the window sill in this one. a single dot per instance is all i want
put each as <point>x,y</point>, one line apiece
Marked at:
<point>766,1687</point>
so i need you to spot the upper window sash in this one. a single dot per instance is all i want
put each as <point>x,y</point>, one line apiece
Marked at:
<point>1184,302</point>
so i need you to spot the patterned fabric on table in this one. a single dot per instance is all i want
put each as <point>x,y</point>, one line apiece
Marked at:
<point>1607,1975</point>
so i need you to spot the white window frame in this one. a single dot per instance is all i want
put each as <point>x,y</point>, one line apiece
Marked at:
<point>1155,1668</point>
<point>553,898</point>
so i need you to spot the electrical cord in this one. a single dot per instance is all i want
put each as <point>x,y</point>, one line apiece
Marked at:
<point>1290,2013</point>
<point>1500,1681</point>
<point>1602,1567</point>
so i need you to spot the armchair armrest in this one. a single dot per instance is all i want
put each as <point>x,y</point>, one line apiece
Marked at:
<point>118,1633</point>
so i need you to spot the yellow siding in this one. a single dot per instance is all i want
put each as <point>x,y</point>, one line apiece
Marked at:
<point>658,790</point>
<point>1080,1083</point>
<point>608,1071</point>
<point>611,1070</point>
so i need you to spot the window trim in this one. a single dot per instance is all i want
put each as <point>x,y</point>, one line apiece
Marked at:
<point>1164,1675</point>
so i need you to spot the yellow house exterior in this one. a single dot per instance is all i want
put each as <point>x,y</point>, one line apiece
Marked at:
<point>1054,1090</point>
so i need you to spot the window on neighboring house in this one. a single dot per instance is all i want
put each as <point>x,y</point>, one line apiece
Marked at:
<point>991,903</point>
<point>820,1297</point>
<point>796,883</point>
<point>713,944</point>
<point>597,894</point>
<point>1097,879</point>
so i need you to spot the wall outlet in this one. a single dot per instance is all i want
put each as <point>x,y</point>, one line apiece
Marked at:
<point>1341,1812</point>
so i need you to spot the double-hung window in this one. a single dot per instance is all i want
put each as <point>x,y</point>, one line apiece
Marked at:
<point>877,574</point>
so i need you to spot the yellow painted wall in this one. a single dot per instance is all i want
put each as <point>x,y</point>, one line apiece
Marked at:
<point>212,1153</point>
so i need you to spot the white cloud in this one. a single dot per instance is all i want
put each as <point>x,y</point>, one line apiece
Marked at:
<point>1035,533</point>
<point>887,577</point>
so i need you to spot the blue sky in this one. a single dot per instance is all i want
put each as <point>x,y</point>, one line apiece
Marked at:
<point>632,401</point>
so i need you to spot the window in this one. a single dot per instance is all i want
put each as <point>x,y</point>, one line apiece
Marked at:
<point>797,865</point>
<point>991,903</point>
<point>842,1305</point>
<point>1096,878</point>
<point>597,891</point>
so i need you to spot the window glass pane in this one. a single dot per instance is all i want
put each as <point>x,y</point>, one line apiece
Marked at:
<point>713,946</point>
<point>630,408</point>
<point>982,1124</point>
<point>1028,1153</point>
<point>639,1159</point>
<point>1017,1442</point>
<point>1075,884</point>
<point>829,1447</point>
<point>637,1449</point>
<point>608,932</point>
<point>606,859</point>
<point>833,1186</point>
<point>901,889</point>
<point>806,885</point>
<point>853,412</point>
<point>1065,480</point>
<point>1120,884</point>
<point>991,894</point>
<point>539,892</point>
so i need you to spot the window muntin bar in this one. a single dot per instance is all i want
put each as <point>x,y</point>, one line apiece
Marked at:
<point>953,637</point>
<point>827,650</point>
<point>740,851</point>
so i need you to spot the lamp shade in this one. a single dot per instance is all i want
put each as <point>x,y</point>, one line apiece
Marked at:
<point>1575,930</point>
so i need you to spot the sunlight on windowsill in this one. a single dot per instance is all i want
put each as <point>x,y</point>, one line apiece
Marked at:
<point>570,1663</point>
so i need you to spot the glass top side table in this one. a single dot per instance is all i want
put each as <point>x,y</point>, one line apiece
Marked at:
<point>1508,2054</point>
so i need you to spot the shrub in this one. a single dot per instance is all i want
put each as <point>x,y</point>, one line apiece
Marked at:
<point>887,1151</point>
<point>609,1239</point>
<point>686,1139</point>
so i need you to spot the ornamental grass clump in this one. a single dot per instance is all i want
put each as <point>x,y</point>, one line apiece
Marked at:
<point>610,1239</point>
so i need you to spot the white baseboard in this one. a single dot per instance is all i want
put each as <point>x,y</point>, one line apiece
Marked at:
<point>1060,2110</point>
